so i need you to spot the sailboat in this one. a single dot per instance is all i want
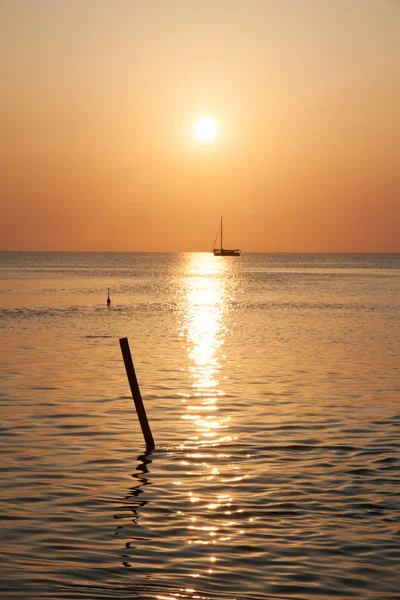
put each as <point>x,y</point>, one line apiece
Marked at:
<point>221,251</point>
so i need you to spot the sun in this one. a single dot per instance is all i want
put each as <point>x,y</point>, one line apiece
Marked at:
<point>205,129</point>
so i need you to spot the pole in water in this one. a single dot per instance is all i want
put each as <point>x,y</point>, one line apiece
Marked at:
<point>136,395</point>
<point>108,298</point>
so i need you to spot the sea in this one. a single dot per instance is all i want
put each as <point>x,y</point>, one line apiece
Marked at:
<point>271,384</point>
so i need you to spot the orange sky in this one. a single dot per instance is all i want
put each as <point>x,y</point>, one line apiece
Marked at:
<point>99,98</point>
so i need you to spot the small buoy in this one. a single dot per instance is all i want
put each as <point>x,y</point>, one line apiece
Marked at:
<point>108,298</point>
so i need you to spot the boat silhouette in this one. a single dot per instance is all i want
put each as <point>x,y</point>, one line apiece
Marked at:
<point>221,251</point>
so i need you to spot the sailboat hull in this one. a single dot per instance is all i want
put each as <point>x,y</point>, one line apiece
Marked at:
<point>225,252</point>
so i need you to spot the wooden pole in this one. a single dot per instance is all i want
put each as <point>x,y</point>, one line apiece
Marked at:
<point>136,395</point>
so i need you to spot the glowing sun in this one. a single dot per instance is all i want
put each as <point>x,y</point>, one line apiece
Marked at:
<point>205,129</point>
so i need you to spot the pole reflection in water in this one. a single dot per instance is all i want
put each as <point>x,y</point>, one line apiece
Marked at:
<point>132,504</point>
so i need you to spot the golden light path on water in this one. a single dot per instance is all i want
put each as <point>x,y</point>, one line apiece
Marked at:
<point>210,507</point>
<point>206,328</point>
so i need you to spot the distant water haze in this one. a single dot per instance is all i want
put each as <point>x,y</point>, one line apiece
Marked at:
<point>271,384</point>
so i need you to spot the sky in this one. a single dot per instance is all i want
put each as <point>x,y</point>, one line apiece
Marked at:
<point>99,98</point>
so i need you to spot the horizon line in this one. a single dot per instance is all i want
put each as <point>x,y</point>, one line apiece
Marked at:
<point>199,252</point>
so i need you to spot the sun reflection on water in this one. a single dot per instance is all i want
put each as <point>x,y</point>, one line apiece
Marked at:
<point>205,312</point>
<point>205,324</point>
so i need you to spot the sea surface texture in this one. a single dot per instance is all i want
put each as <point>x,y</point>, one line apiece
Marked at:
<point>272,387</point>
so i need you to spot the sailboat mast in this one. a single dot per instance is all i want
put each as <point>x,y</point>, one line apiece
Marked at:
<point>221,234</point>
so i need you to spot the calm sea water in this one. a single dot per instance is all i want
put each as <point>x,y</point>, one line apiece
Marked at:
<point>272,387</point>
